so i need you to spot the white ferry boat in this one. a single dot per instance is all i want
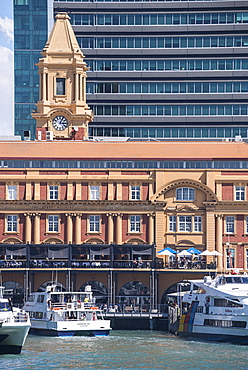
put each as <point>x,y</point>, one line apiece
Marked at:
<point>215,309</point>
<point>14,326</point>
<point>57,313</point>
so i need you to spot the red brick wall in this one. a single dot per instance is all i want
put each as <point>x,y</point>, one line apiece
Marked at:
<point>22,190</point>
<point>134,173</point>
<point>125,228</point>
<point>74,191</point>
<point>227,191</point>
<point>2,191</point>
<point>52,173</point>
<point>240,256</point>
<point>21,227</point>
<point>104,228</point>
<point>32,190</point>
<point>87,173</point>
<point>104,191</point>
<point>43,228</point>
<point>84,228</point>
<point>115,190</point>
<point>2,227</point>
<point>63,190</point>
<point>43,191</point>
<point>63,219</point>
<point>144,191</point>
<point>125,191</point>
<point>84,191</point>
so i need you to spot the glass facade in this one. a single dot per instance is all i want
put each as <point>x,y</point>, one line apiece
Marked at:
<point>173,50</point>
<point>30,36</point>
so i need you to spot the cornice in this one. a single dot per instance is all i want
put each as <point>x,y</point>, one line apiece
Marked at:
<point>83,206</point>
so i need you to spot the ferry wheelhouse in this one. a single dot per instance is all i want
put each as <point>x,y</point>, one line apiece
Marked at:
<point>215,309</point>
<point>58,313</point>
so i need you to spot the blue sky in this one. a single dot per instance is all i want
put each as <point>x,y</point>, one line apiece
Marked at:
<point>6,67</point>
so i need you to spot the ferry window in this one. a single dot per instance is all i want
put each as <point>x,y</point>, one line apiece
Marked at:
<point>31,298</point>
<point>40,299</point>
<point>4,306</point>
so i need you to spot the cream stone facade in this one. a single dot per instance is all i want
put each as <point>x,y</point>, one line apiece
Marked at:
<point>82,212</point>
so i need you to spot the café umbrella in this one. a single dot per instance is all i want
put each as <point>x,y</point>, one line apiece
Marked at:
<point>184,253</point>
<point>165,252</point>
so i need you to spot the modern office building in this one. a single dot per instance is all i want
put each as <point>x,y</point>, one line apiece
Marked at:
<point>159,69</point>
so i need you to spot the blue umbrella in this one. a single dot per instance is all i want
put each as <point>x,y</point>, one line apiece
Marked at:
<point>193,250</point>
<point>168,249</point>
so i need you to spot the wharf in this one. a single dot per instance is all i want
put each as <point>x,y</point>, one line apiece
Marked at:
<point>137,320</point>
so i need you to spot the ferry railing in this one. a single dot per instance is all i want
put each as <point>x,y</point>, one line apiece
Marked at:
<point>20,317</point>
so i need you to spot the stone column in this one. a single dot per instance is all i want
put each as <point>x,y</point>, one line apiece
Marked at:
<point>119,228</point>
<point>37,228</point>
<point>69,228</point>
<point>28,227</point>
<point>151,229</point>
<point>78,239</point>
<point>219,239</point>
<point>110,228</point>
<point>76,86</point>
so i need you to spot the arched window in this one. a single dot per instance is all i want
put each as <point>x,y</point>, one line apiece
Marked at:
<point>185,194</point>
<point>59,287</point>
<point>134,296</point>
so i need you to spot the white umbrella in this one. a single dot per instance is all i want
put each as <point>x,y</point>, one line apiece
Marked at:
<point>184,253</point>
<point>215,253</point>
<point>165,253</point>
<point>206,253</point>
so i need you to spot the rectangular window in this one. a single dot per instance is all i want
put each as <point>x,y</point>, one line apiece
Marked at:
<point>172,223</point>
<point>53,223</point>
<point>12,223</point>
<point>185,223</point>
<point>135,192</point>
<point>135,224</point>
<point>53,192</point>
<point>198,224</point>
<point>246,227</point>
<point>12,192</point>
<point>239,193</point>
<point>94,223</point>
<point>94,192</point>
<point>60,86</point>
<point>229,224</point>
<point>185,194</point>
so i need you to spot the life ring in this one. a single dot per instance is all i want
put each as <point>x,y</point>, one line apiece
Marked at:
<point>94,308</point>
<point>56,309</point>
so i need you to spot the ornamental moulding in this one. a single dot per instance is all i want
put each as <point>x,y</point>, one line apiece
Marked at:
<point>188,183</point>
<point>83,206</point>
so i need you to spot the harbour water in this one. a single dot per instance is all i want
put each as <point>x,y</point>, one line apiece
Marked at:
<point>126,350</point>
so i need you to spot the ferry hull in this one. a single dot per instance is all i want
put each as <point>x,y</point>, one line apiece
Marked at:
<point>70,328</point>
<point>69,333</point>
<point>237,339</point>
<point>12,338</point>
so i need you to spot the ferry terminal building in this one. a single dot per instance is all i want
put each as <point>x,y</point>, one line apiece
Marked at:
<point>80,212</point>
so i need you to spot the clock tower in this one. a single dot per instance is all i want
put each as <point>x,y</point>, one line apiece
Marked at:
<point>62,112</point>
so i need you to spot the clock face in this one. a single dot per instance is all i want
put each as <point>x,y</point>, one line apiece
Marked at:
<point>60,123</point>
